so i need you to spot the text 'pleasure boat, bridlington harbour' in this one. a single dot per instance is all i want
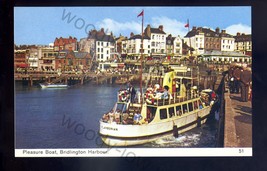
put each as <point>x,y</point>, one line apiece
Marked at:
<point>156,113</point>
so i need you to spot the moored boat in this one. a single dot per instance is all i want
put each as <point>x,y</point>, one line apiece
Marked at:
<point>49,85</point>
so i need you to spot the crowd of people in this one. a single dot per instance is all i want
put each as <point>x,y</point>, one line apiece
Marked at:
<point>240,81</point>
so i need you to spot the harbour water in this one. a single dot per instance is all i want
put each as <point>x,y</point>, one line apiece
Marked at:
<point>69,118</point>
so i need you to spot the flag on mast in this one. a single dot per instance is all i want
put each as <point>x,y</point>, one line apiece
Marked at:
<point>187,24</point>
<point>141,13</point>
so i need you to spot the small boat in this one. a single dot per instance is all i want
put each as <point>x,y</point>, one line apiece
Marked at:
<point>50,85</point>
<point>153,115</point>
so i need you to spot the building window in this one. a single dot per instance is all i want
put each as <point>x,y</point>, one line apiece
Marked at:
<point>153,44</point>
<point>107,51</point>
<point>101,56</point>
<point>153,36</point>
<point>107,43</point>
<point>98,43</point>
<point>101,43</point>
<point>98,50</point>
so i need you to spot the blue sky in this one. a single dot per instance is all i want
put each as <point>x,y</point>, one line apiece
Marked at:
<point>41,25</point>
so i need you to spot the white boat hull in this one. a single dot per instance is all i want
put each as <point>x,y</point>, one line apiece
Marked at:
<point>54,86</point>
<point>128,135</point>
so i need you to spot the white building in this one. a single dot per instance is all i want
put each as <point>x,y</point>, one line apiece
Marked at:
<point>174,46</point>
<point>33,58</point>
<point>158,40</point>
<point>134,45</point>
<point>195,39</point>
<point>243,43</point>
<point>104,45</point>
<point>227,42</point>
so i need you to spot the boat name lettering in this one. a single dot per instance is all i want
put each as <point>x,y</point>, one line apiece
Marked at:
<point>110,128</point>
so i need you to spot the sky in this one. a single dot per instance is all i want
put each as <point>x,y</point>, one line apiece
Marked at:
<point>41,25</point>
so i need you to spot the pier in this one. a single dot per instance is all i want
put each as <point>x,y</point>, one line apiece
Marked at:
<point>235,119</point>
<point>32,78</point>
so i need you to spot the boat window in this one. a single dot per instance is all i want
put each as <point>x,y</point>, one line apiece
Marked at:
<point>185,110</point>
<point>171,112</point>
<point>195,105</point>
<point>151,111</point>
<point>163,113</point>
<point>178,110</point>
<point>190,107</point>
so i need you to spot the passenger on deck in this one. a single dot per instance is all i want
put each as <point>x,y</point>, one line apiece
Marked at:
<point>137,118</point>
<point>132,91</point>
<point>165,94</point>
<point>105,117</point>
<point>117,116</point>
<point>183,89</point>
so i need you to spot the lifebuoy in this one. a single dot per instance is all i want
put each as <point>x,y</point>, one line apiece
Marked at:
<point>123,95</point>
<point>149,98</point>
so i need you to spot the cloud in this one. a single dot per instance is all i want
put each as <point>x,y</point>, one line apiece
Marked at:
<point>241,28</point>
<point>171,26</point>
<point>117,27</point>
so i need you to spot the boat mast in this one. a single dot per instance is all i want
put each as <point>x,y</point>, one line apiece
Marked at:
<point>141,58</point>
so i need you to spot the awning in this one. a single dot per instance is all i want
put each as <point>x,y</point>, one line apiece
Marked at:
<point>120,65</point>
<point>23,65</point>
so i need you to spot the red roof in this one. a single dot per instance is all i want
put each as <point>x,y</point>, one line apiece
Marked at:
<point>62,41</point>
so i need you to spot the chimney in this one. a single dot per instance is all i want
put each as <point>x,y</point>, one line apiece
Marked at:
<point>217,30</point>
<point>194,28</point>
<point>102,30</point>
<point>148,30</point>
<point>238,34</point>
<point>131,35</point>
<point>199,29</point>
<point>243,34</point>
<point>161,27</point>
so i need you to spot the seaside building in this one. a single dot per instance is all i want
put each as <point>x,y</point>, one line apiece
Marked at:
<point>243,43</point>
<point>46,57</point>
<point>204,39</point>
<point>134,46</point>
<point>157,39</point>
<point>65,44</point>
<point>20,59</point>
<point>174,46</point>
<point>72,61</point>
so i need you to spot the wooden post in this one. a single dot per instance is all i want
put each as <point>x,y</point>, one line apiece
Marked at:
<point>30,80</point>
<point>81,80</point>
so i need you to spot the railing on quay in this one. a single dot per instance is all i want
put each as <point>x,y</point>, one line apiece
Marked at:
<point>220,131</point>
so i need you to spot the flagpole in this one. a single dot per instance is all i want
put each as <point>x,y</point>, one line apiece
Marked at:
<point>189,38</point>
<point>141,60</point>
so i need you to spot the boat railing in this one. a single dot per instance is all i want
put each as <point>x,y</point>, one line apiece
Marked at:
<point>156,99</point>
<point>172,98</point>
